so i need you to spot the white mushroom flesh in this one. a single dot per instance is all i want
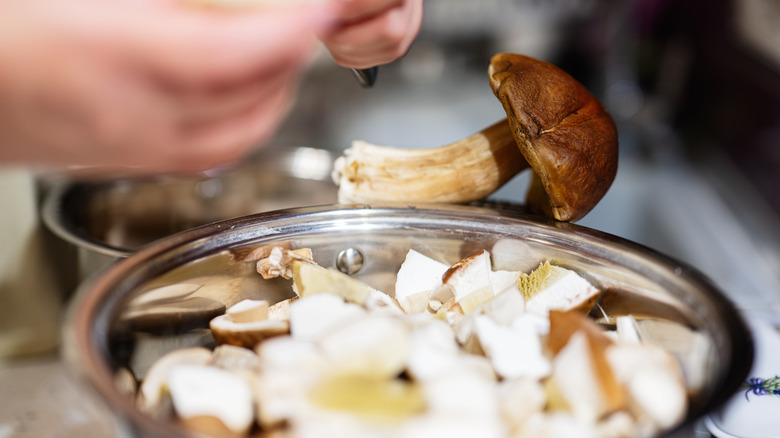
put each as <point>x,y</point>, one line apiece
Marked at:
<point>459,351</point>
<point>419,274</point>
<point>205,391</point>
<point>249,311</point>
<point>564,289</point>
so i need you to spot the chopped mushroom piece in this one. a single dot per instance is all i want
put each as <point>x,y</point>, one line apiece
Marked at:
<point>246,334</point>
<point>279,261</point>
<point>581,369</point>
<point>514,351</point>
<point>290,368</point>
<point>503,281</point>
<point>653,381</point>
<point>691,348</point>
<point>432,349</point>
<point>504,307</point>
<point>417,302</point>
<point>469,280</point>
<point>419,274</point>
<point>249,311</point>
<point>313,279</point>
<point>519,399</point>
<point>152,393</point>
<point>552,287</point>
<point>378,301</point>
<point>211,401</point>
<point>280,310</point>
<point>372,346</point>
<point>314,317</point>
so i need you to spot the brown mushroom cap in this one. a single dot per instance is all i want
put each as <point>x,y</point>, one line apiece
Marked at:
<point>563,131</point>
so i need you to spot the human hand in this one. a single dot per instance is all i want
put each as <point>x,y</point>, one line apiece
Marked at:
<point>146,86</point>
<point>373,32</point>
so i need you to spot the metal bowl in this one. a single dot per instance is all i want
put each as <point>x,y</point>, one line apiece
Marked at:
<point>105,221</point>
<point>633,279</point>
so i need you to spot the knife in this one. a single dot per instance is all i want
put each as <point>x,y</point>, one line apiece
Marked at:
<point>366,77</point>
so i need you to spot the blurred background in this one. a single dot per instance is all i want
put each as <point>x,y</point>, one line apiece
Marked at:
<point>694,87</point>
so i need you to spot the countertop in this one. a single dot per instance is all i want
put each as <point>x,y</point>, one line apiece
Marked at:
<point>41,399</point>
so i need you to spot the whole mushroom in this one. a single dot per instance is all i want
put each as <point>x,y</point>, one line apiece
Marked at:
<point>554,126</point>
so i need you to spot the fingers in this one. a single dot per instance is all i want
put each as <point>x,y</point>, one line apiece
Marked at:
<point>376,39</point>
<point>226,82</point>
<point>223,139</point>
<point>196,48</point>
<point>351,11</point>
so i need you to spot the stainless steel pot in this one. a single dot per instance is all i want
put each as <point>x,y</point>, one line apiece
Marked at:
<point>109,220</point>
<point>633,278</point>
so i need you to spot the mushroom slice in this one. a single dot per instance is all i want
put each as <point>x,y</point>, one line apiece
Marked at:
<point>313,279</point>
<point>564,133</point>
<point>551,287</point>
<point>560,130</point>
<point>249,311</point>
<point>250,328</point>
<point>226,331</point>
<point>211,401</point>
<point>152,392</point>
<point>581,370</point>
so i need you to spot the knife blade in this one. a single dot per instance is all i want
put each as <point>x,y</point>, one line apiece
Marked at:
<point>366,77</point>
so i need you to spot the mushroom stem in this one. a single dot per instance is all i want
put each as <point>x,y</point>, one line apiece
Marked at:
<point>463,171</point>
